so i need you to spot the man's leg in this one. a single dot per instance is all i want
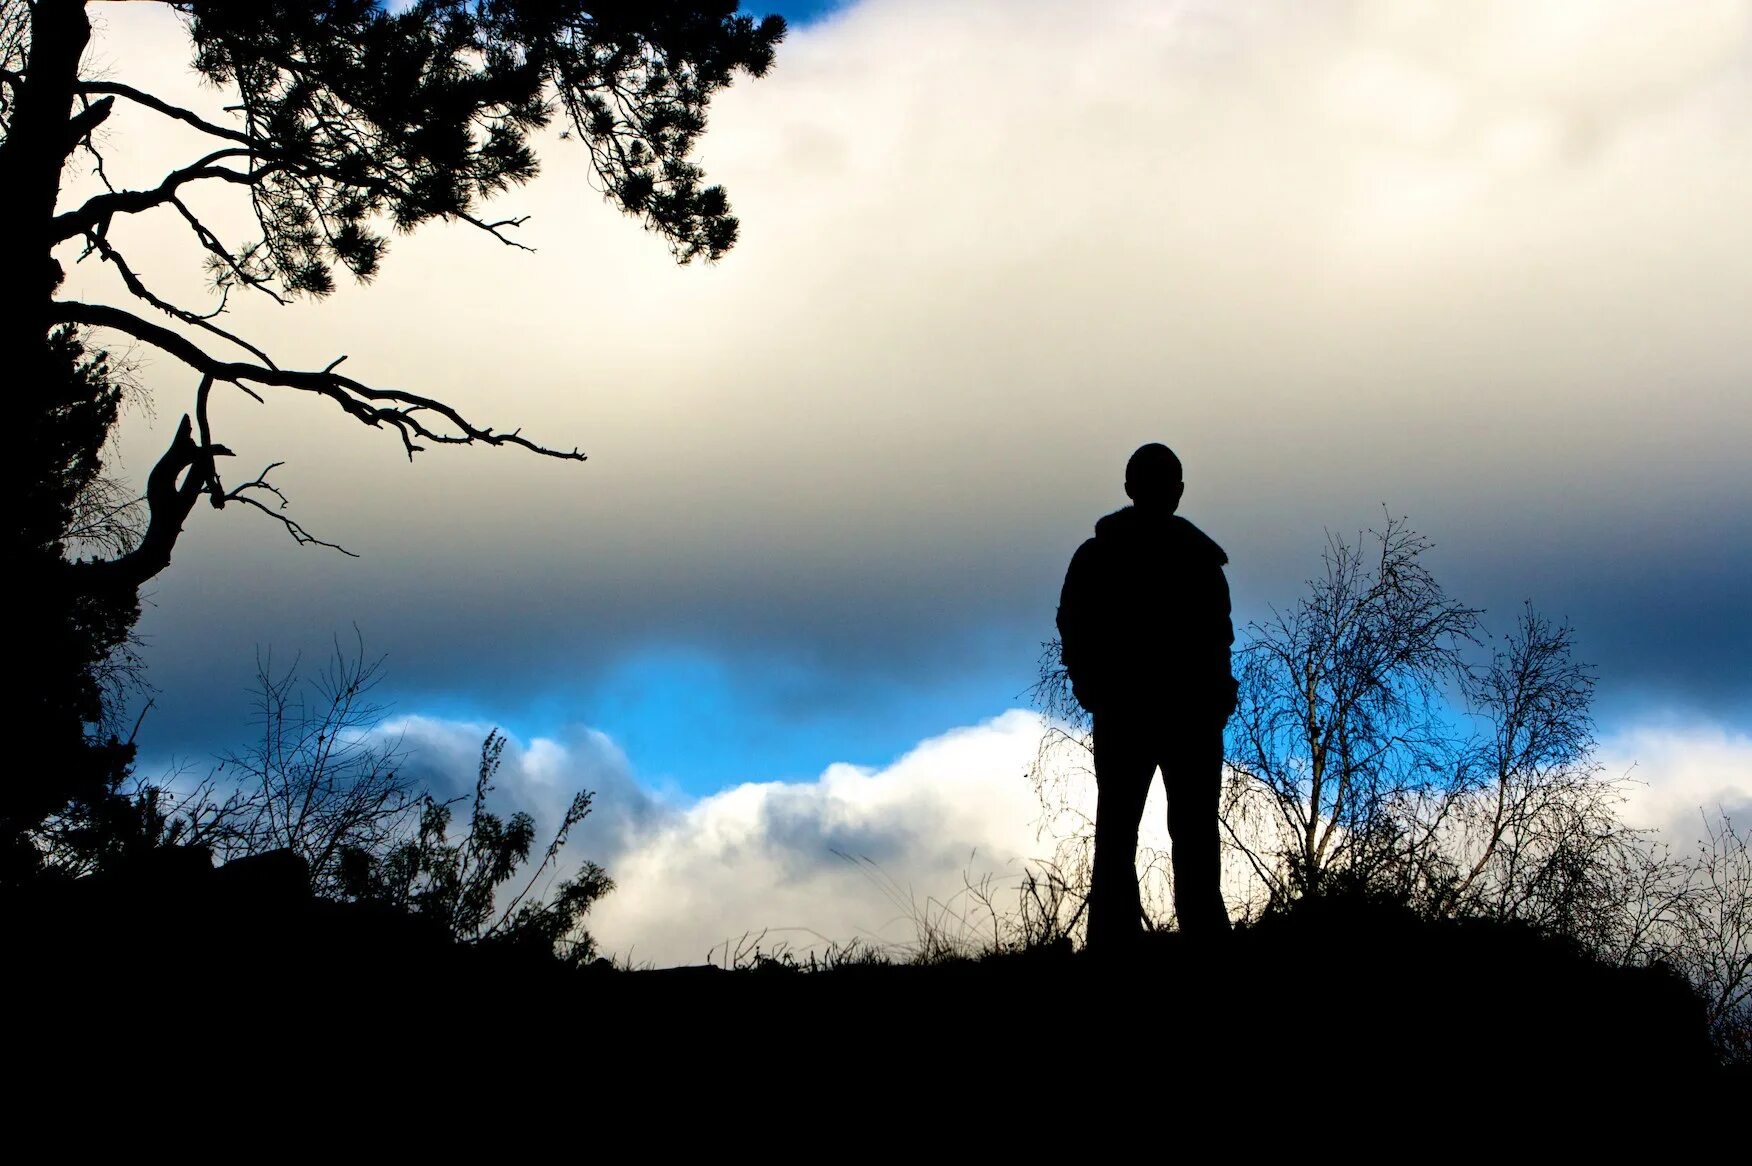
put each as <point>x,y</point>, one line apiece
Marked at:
<point>1192,769</point>
<point>1124,767</point>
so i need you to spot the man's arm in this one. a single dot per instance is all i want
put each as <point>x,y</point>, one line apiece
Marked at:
<point>1223,615</point>
<point>1075,616</point>
<point>1223,639</point>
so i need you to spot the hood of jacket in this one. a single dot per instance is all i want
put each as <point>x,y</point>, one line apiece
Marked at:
<point>1131,526</point>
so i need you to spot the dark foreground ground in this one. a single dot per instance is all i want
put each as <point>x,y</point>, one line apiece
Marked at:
<point>210,976</point>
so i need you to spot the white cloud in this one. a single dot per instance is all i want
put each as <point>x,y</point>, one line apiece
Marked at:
<point>760,856</point>
<point>845,856</point>
<point>859,852</point>
<point>1679,774</point>
<point>854,854</point>
<point>539,776</point>
<point>866,853</point>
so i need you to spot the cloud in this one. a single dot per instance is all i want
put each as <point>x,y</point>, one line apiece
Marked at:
<point>538,776</point>
<point>847,855</point>
<point>1486,262</point>
<point>1679,774</point>
<point>857,853</point>
<point>865,853</point>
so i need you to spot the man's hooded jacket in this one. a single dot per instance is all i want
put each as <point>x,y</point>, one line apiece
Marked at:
<point>1144,616</point>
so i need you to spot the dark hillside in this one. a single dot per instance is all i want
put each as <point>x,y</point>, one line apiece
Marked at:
<point>106,965</point>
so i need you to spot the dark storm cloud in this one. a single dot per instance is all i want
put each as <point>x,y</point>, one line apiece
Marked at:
<point>1491,268</point>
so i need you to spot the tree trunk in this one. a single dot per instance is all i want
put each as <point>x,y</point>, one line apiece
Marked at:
<point>38,140</point>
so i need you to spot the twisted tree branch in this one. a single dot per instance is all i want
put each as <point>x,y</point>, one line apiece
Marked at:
<point>170,502</point>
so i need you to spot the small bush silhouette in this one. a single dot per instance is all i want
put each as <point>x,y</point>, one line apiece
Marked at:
<point>458,885</point>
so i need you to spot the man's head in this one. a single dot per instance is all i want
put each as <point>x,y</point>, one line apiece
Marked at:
<point>1152,477</point>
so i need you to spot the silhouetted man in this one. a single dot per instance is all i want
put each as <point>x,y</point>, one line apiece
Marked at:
<point>1144,620</point>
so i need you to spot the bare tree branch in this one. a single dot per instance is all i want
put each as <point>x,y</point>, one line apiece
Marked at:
<point>396,409</point>
<point>260,482</point>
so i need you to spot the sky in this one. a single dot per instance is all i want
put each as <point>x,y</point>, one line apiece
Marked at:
<point>1486,266</point>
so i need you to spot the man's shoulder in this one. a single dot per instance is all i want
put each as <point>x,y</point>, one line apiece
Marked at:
<point>1133,532</point>
<point>1198,544</point>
